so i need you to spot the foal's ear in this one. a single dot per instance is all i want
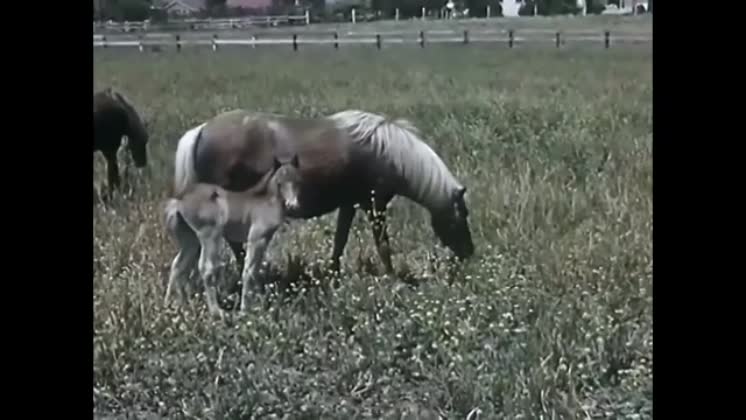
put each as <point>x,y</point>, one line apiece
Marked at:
<point>295,161</point>
<point>276,164</point>
<point>459,194</point>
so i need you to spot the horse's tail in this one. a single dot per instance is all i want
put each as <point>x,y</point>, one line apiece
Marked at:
<point>184,171</point>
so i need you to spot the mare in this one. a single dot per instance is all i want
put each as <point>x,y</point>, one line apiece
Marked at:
<point>348,160</point>
<point>114,116</point>
<point>200,215</point>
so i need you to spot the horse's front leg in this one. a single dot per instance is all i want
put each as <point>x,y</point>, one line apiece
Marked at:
<point>112,170</point>
<point>381,237</point>
<point>240,254</point>
<point>258,241</point>
<point>345,215</point>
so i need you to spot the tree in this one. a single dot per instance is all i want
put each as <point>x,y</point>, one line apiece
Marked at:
<point>120,10</point>
<point>216,7</point>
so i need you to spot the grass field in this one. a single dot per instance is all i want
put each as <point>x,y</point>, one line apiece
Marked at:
<point>551,319</point>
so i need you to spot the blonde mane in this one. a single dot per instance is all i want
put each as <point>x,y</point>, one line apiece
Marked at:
<point>398,143</point>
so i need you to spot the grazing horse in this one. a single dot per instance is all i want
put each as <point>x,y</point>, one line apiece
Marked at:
<point>199,216</point>
<point>348,159</point>
<point>114,116</point>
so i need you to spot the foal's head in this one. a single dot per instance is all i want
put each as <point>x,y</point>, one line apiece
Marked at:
<point>286,182</point>
<point>137,133</point>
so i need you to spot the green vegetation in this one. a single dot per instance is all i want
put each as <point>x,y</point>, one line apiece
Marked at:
<point>552,318</point>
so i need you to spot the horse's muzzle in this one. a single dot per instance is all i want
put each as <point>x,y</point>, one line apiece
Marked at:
<point>292,205</point>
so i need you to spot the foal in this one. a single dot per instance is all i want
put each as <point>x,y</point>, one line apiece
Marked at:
<point>198,218</point>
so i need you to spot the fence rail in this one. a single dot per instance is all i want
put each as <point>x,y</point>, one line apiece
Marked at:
<point>202,24</point>
<point>422,38</point>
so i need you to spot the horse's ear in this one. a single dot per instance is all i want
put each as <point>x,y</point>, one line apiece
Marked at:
<point>460,193</point>
<point>295,161</point>
<point>276,164</point>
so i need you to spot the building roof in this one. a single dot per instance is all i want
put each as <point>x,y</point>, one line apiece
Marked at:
<point>249,4</point>
<point>195,5</point>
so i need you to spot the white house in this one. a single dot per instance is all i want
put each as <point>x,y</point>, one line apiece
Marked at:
<point>511,7</point>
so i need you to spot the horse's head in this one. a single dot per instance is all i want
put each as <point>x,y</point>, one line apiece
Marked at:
<point>451,225</point>
<point>137,141</point>
<point>286,181</point>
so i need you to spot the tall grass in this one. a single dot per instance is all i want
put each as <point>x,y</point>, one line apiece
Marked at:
<point>551,319</point>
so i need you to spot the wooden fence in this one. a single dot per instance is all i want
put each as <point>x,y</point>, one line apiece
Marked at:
<point>202,24</point>
<point>509,37</point>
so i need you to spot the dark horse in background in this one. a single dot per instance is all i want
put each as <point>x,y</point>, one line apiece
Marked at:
<point>114,116</point>
<point>349,159</point>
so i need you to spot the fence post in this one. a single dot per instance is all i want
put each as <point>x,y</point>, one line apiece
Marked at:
<point>422,39</point>
<point>103,41</point>
<point>423,12</point>
<point>139,44</point>
<point>510,38</point>
<point>336,40</point>
<point>353,15</point>
<point>489,11</point>
<point>378,41</point>
<point>466,36</point>
<point>214,43</point>
<point>557,39</point>
<point>295,42</point>
<point>178,43</point>
<point>607,35</point>
<point>396,14</point>
<point>308,17</point>
<point>253,41</point>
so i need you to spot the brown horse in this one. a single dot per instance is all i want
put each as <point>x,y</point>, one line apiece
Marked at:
<point>204,213</point>
<point>114,116</point>
<point>352,158</point>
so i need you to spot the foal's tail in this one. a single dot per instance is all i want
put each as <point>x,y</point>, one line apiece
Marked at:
<point>172,214</point>
<point>184,172</point>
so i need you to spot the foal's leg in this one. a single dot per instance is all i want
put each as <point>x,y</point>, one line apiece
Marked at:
<point>208,260</point>
<point>258,241</point>
<point>184,261</point>
<point>345,215</point>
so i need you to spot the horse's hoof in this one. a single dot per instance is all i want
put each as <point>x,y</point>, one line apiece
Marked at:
<point>218,314</point>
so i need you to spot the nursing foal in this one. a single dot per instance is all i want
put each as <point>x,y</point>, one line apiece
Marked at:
<point>201,215</point>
